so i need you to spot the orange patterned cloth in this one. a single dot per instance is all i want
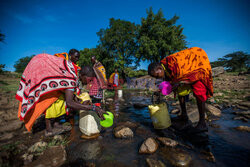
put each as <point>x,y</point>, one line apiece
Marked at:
<point>190,65</point>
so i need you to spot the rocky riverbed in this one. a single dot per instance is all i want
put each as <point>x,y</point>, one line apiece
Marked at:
<point>226,143</point>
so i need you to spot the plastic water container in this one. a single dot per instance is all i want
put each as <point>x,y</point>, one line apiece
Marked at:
<point>108,121</point>
<point>119,93</point>
<point>165,88</point>
<point>89,122</point>
<point>159,115</point>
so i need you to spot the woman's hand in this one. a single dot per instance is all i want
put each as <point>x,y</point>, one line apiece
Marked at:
<point>100,112</point>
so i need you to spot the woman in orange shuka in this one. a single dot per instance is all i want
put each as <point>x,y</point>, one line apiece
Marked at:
<point>188,67</point>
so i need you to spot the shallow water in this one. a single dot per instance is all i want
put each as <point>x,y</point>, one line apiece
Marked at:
<point>230,147</point>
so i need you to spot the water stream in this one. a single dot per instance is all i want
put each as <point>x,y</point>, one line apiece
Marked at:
<point>230,147</point>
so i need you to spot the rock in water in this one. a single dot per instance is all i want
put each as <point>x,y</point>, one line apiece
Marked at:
<point>123,132</point>
<point>148,146</point>
<point>217,70</point>
<point>175,111</point>
<point>154,163</point>
<point>213,110</point>
<point>53,156</point>
<point>167,141</point>
<point>243,128</point>
<point>109,100</point>
<point>176,156</point>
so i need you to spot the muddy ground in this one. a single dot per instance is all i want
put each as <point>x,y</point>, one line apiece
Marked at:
<point>229,90</point>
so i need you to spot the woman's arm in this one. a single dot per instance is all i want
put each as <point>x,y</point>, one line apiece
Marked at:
<point>69,96</point>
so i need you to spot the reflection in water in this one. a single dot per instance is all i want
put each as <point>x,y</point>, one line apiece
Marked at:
<point>85,150</point>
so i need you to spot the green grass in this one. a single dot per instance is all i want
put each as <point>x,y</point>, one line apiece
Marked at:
<point>109,94</point>
<point>9,84</point>
<point>12,147</point>
<point>232,73</point>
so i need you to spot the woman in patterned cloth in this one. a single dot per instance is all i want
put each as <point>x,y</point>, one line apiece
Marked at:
<point>47,86</point>
<point>188,67</point>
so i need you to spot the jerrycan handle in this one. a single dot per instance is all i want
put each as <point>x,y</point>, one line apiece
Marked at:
<point>156,98</point>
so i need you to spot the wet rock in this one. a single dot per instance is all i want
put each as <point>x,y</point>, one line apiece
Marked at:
<point>217,71</point>
<point>121,100</point>
<point>213,110</point>
<point>243,128</point>
<point>241,118</point>
<point>140,105</point>
<point>242,113</point>
<point>175,111</point>
<point>176,156</point>
<point>27,158</point>
<point>245,104</point>
<point>242,107</point>
<point>109,100</point>
<point>218,94</point>
<point>12,126</point>
<point>175,103</point>
<point>149,146</point>
<point>154,163</point>
<point>53,156</point>
<point>58,137</point>
<point>123,132</point>
<point>6,136</point>
<point>128,124</point>
<point>218,106</point>
<point>38,147</point>
<point>167,141</point>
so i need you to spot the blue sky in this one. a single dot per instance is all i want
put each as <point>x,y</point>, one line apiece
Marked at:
<point>52,26</point>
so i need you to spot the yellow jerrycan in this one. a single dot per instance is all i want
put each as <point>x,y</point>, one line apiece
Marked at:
<point>159,115</point>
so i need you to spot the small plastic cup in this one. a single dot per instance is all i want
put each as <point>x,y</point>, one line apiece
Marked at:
<point>165,88</point>
<point>108,121</point>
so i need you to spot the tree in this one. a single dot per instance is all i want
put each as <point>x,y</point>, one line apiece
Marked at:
<point>236,61</point>
<point>217,63</point>
<point>2,66</point>
<point>159,37</point>
<point>85,56</point>
<point>118,43</point>
<point>21,64</point>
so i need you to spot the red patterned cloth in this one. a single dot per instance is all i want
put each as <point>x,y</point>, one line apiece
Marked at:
<point>44,74</point>
<point>200,91</point>
<point>94,87</point>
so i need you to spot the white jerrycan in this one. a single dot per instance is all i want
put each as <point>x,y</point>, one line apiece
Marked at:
<point>89,123</point>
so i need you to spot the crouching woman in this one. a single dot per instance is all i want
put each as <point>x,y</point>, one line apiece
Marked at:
<point>47,86</point>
